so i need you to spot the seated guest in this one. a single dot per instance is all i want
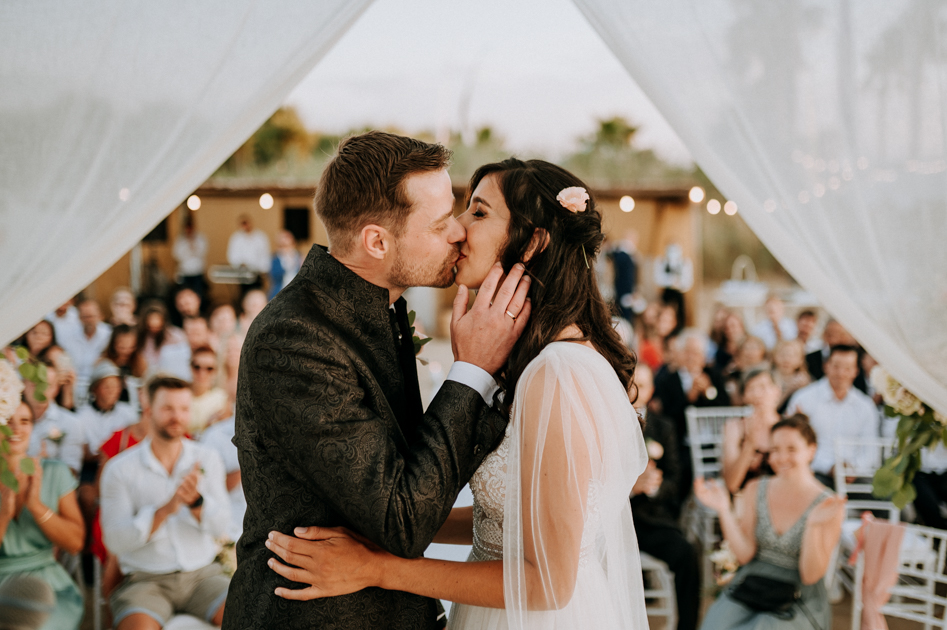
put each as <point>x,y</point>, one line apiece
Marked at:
<point>55,433</point>
<point>65,319</point>
<point>750,355</point>
<point>746,440</point>
<point>164,502</point>
<point>164,346</point>
<point>834,335</point>
<point>198,334</point>
<point>837,410</point>
<point>789,368</point>
<point>716,335</point>
<point>734,333</point>
<point>784,529</point>
<point>656,505</point>
<point>684,382</point>
<point>39,517</point>
<point>120,441</point>
<point>210,403</point>
<point>40,341</point>
<point>187,303</point>
<point>219,437</point>
<point>653,344</point>
<point>86,344</point>
<point>805,330</point>
<point>124,353</point>
<point>251,305</point>
<point>123,305</point>
<point>104,414</point>
<point>775,327</point>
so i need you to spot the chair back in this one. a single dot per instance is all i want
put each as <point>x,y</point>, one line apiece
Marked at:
<point>856,460</point>
<point>918,594</point>
<point>705,435</point>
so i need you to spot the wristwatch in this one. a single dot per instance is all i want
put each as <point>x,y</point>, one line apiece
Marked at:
<point>198,502</point>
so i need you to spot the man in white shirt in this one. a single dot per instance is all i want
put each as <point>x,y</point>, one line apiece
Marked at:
<point>249,248</point>
<point>776,327</point>
<point>86,344</point>
<point>164,502</point>
<point>190,252</point>
<point>56,431</point>
<point>219,436</point>
<point>836,410</point>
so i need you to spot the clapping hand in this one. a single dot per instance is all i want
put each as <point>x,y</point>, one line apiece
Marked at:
<point>332,560</point>
<point>829,513</point>
<point>650,480</point>
<point>712,494</point>
<point>7,503</point>
<point>187,493</point>
<point>33,500</point>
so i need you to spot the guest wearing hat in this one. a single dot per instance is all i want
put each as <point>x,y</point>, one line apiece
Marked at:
<point>25,603</point>
<point>104,414</point>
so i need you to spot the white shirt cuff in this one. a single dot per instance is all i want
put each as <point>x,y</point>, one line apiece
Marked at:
<point>475,378</point>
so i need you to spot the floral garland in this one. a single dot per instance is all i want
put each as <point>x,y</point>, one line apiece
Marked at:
<point>919,427</point>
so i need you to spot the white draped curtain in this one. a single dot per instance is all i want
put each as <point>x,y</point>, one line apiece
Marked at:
<point>112,111</point>
<point>826,122</point>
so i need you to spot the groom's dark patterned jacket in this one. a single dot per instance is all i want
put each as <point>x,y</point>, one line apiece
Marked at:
<point>330,432</point>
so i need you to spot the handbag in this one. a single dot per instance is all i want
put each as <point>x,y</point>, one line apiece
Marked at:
<point>764,594</point>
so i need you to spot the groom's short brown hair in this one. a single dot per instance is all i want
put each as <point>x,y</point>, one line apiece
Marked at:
<point>364,184</point>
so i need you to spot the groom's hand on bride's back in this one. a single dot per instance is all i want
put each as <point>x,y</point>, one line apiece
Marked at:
<point>484,335</point>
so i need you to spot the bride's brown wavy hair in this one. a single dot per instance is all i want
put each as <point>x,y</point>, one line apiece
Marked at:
<point>564,290</point>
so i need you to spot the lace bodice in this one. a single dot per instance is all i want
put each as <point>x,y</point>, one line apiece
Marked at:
<point>781,550</point>
<point>488,486</point>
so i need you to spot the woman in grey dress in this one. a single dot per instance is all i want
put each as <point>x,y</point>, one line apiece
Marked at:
<point>784,528</point>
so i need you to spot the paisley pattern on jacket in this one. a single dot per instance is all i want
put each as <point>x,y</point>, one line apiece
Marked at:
<point>328,436</point>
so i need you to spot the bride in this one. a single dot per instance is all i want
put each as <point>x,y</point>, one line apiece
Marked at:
<point>553,541</point>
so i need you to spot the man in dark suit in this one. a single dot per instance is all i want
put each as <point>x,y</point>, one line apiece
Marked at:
<point>329,423</point>
<point>684,381</point>
<point>656,505</point>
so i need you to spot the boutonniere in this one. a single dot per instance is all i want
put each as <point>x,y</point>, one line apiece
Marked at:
<point>418,340</point>
<point>655,450</point>
<point>55,435</point>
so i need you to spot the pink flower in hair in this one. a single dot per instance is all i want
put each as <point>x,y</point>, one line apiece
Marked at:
<point>573,199</point>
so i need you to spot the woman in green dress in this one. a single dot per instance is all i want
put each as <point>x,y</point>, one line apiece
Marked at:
<point>785,528</point>
<point>42,515</point>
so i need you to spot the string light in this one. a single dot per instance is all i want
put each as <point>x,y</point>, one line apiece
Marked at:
<point>696,194</point>
<point>626,203</point>
<point>713,206</point>
<point>266,201</point>
<point>193,202</point>
<point>730,207</point>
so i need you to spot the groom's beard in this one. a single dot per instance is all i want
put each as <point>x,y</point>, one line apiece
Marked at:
<point>405,273</point>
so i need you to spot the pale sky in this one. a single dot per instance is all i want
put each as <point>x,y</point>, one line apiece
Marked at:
<point>534,70</point>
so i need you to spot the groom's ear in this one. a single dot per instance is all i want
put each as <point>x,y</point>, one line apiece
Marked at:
<point>538,243</point>
<point>376,241</point>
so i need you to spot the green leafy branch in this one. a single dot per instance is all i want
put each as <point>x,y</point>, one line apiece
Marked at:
<point>34,371</point>
<point>895,479</point>
<point>418,341</point>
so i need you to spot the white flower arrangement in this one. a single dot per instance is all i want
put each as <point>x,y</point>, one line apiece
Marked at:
<point>919,427</point>
<point>11,387</point>
<point>725,564</point>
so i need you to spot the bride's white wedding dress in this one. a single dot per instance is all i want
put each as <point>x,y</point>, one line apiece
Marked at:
<point>551,501</point>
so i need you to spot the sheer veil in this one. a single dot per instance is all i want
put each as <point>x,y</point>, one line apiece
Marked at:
<point>570,554</point>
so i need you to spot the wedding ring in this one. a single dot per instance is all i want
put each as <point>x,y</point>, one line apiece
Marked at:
<point>512,316</point>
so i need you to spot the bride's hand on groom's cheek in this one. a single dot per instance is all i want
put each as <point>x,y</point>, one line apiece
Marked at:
<point>332,560</point>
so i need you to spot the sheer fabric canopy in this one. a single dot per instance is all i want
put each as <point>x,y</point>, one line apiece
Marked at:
<point>112,111</point>
<point>826,122</point>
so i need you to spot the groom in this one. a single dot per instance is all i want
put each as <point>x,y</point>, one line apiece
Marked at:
<point>330,427</point>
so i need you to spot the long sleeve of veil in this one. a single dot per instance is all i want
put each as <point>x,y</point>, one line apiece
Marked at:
<point>570,556</point>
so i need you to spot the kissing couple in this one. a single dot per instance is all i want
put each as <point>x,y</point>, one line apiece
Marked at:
<point>348,479</point>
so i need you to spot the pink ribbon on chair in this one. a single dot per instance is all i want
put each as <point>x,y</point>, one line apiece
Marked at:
<point>881,542</point>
